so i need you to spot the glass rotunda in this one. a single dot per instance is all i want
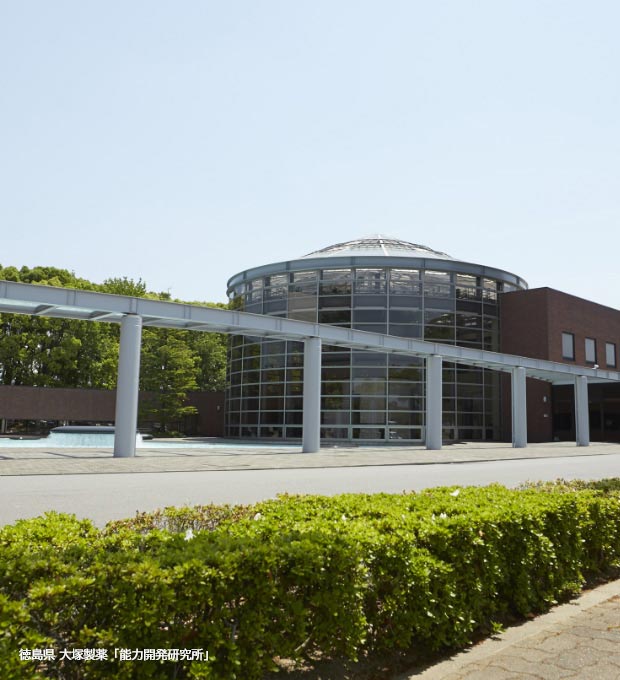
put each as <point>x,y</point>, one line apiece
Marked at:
<point>375,284</point>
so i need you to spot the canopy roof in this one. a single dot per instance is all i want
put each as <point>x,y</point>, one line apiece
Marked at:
<point>67,303</point>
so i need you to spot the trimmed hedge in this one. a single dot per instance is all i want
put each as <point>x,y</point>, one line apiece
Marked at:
<point>310,574</point>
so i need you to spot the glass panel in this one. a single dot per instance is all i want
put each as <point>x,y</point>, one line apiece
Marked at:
<point>369,358</point>
<point>334,301</point>
<point>302,302</point>
<point>404,281</point>
<point>368,372</point>
<point>334,433</point>
<point>334,388</point>
<point>468,320</point>
<point>406,373</point>
<point>335,316</point>
<point>368,418</point>
<point>371,327</point>
<point>370,301</point>
<point>303,315</point>
<point>368,433</point>
<point>370,281</point>
<point>590,350</point>
<point>405,316</point>
<point>294,404</point>
<point>405,331</point>
<point>404,433</point>
<point>335,418</point>
<point>303,283</point>
<point>272,403</point>
<point>272,360</point>
<point>368,403</point>
<point>370,315</point>
<point>465,280</point>
<point>436,276</point>
<point>405,403</point>
<point>444,333</point>
<point>274,306</point>
<point>335,373</point>
<point>405,418</point>
<point>335,282</point>
<point>568,346</point>
<point>294,417</point>
<point>335,359</point>
<point>439,319</point>
<point>335,402</point>
<point>610,354</point>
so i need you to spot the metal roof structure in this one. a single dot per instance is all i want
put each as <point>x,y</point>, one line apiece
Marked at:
<point>375,251</point>
<point>378,245</point>
<point>66,303</point>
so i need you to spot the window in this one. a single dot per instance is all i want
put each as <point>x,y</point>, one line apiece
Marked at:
<point>568,346</point>
<point>610,354</point>
<point>590,351</point>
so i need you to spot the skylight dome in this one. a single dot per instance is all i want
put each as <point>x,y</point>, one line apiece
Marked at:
<point>378,245</point>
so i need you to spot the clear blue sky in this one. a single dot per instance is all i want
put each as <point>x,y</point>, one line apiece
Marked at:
<point>181,142</point>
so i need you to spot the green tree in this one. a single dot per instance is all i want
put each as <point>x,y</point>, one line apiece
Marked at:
<point>210,352</point>
<point>169,371</point>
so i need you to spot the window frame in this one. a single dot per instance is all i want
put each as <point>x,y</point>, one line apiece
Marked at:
<point>611,345</point>
<point>566,335</point>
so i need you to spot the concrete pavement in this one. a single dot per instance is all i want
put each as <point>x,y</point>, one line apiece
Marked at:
<point>222,455</point>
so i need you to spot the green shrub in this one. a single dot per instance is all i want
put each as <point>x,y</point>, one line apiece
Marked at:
<point>297,575</point>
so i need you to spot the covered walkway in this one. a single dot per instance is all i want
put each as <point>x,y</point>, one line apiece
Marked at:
<point>134,313</point>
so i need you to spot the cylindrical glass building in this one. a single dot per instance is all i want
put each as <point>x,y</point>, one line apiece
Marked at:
<point>376,284</point>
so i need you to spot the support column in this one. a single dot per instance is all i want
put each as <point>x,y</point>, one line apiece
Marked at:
<point>434,413</point>
<point>519,408</point>
<point>127,386</point>
<point>582,415</point>
<point>312,396</point>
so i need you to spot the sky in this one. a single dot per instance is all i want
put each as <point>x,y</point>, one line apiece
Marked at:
<point>182,142</point>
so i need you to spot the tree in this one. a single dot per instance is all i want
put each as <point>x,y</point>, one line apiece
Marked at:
<point>169,370</point>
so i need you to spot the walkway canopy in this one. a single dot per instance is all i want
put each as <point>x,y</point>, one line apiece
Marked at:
<point>133,313</point>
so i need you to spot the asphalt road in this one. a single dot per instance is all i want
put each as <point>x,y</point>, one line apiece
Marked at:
<point>102,497</point>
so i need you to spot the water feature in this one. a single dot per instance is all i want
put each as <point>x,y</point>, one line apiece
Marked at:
<point>102,436</point>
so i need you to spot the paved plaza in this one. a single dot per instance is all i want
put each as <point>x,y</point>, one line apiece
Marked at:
<point>229,455</point>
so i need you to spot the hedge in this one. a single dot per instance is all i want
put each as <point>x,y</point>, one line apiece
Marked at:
<point>300,575</point>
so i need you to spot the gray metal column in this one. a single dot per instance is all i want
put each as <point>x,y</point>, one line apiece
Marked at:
<point>127,386</point>
<point>434,413</point>
<point>519,408</point>
<point>312,396</point>
<point>582,415</point>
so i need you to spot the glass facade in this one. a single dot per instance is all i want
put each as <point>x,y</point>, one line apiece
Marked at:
<point>366,395</point>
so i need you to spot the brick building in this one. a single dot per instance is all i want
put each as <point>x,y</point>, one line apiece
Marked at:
<point>543,323</point>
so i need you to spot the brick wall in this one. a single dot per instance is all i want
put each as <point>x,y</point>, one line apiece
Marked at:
<point>531,325</point>
<point>82,405</point>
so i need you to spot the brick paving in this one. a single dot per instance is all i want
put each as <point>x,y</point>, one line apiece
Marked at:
<point>576,641</point>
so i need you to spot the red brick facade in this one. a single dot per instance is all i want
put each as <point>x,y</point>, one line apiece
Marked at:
<point>532,323</point>
<point>81,405</point>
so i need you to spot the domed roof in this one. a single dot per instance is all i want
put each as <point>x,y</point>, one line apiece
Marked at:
<point>377,245</point>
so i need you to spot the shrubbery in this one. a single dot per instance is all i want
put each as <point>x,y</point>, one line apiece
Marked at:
<point>331,576</point>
